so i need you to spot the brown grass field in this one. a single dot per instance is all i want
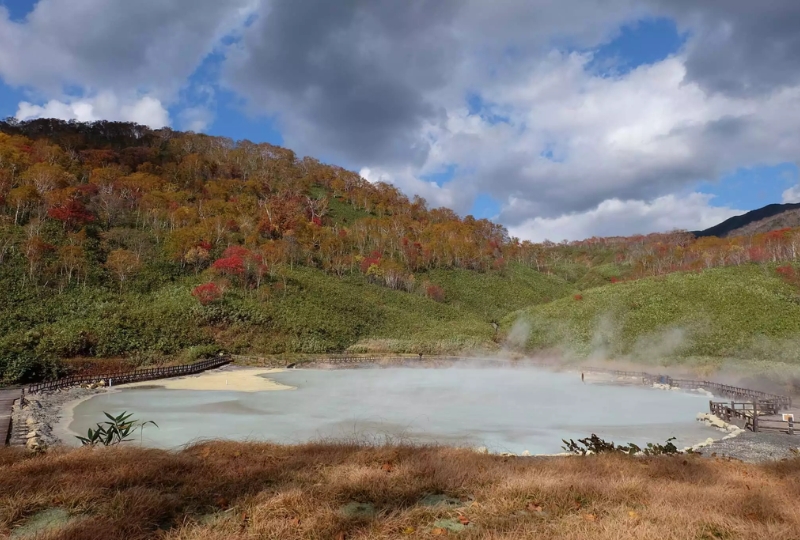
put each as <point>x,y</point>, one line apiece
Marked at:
<point>226,490</point>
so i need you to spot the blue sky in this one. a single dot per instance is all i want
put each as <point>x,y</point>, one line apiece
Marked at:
<point>555,119</point>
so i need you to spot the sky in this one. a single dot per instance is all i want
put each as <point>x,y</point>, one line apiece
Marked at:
<point>560,119</point>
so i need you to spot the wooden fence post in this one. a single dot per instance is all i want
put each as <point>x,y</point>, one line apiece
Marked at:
<point>755,416</point>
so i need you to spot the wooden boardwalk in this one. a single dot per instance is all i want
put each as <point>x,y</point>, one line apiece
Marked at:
<point>7,398</point>
<point>136,375</point>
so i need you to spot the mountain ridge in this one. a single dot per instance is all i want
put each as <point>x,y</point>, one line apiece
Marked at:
<point>765,216</point>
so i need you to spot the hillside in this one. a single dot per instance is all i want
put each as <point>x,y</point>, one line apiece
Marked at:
<point>121,245</point>
<point>138,246</point>
<point>745,313</point>
<point>761,220</point>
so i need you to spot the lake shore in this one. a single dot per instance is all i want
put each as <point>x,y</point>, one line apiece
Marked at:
<point>227,378</point>
<point>51,413</point>
<point>48,415</point>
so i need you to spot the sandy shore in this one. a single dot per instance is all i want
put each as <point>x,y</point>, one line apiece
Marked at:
<point>232,379</point>
<point>49,414</point>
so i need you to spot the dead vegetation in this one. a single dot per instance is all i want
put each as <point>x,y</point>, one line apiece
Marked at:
<point>221,490</point>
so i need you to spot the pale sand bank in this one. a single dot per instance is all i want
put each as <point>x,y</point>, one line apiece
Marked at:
<point>234,380</point>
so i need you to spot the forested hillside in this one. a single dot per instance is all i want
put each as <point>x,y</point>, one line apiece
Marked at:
<point>121,242</point>
<point>136,246</point>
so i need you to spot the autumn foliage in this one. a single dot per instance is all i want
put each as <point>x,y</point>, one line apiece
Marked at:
<point>71,213</point>
<point>244,212</point>
<point>207,293</point>
<point>232,266</point>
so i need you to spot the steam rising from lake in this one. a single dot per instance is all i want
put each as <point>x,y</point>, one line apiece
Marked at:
<point>504,409</point>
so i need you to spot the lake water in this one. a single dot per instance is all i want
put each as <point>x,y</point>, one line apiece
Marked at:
<point>504,409</point>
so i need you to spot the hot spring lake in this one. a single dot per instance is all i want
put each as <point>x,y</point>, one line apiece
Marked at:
<point>503,409</point>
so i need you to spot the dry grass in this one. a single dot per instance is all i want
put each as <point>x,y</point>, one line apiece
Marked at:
<point>224,490</point>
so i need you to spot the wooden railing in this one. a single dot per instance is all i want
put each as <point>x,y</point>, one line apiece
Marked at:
<point>782,402</point>
<point>137,375</point>
<point>750,415</point>
<point>348,359</point>
<point>390,359</point>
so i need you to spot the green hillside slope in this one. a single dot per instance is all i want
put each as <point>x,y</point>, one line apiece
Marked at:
<point>746,312</point>
<point>315,313</point>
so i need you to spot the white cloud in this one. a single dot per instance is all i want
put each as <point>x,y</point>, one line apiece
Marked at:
<point>573,140</point>
<point>458,198</point>
<point>128,60</point>
<point>196,119</point>
<point>144,110</point>
<point>791,195</point>
<point>615,217</point>
<point>148,45</point>
<point>382,87</point>
<point>611,145</point>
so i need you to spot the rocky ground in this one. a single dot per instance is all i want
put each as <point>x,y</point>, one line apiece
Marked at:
<point>756,447</point>
<point>35,418</point>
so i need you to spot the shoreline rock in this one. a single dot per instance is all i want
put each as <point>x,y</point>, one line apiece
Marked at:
<point>41,413</point>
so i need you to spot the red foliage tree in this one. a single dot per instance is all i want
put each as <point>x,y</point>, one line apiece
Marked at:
<point>232,266</point>
<point>366,262</point>
<point>71,213</point>
<point>207,293</point>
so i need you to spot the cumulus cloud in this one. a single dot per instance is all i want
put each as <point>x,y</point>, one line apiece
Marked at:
<point>458,198</point>
<point>500,91</point>
<point>615,217</point>
<point>740,47</point>
<point>369,81</point>
<point>149,45</point>
<point>573,139</point>
<point>792,195</point>
<point>348,78</point>
<point>386,88</point>
<point>145,110</point>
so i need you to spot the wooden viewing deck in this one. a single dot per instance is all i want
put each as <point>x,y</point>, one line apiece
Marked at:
<point>753,416</point>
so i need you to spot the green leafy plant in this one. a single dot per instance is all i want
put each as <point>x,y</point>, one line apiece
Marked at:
<point>115,431</point>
